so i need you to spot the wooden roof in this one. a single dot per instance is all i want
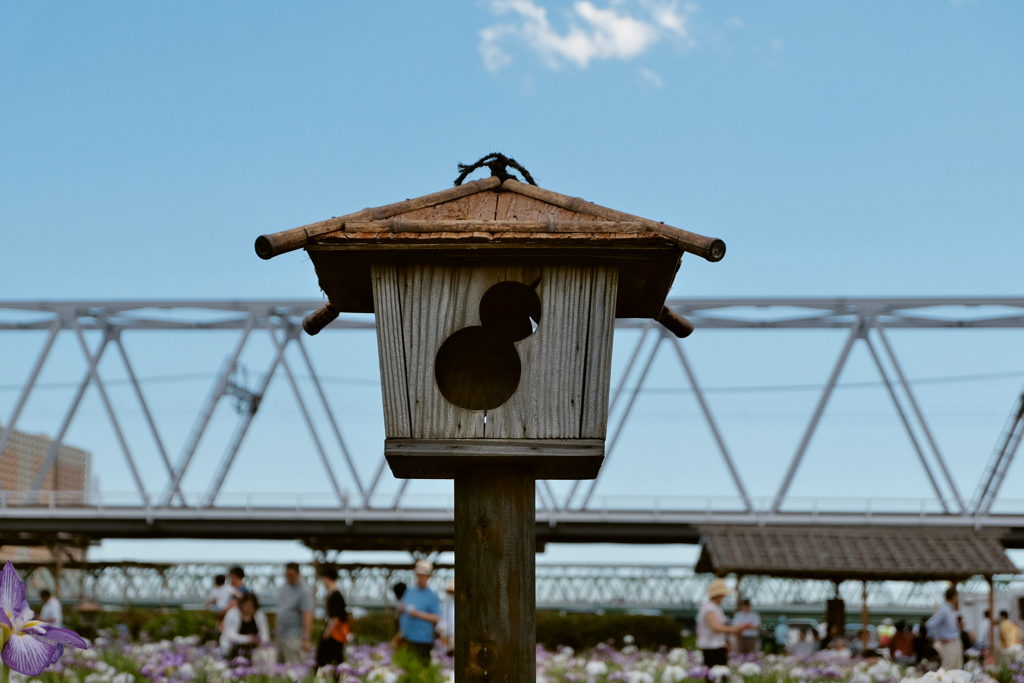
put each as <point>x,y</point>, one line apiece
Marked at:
<point>485,211</point>
<point>839,553</point>
<point>495,219</point>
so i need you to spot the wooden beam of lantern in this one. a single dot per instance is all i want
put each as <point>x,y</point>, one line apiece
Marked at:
<point>495,303</point>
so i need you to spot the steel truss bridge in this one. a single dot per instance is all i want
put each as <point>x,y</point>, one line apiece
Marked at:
<point>359,512</point>
<point>574,587</point>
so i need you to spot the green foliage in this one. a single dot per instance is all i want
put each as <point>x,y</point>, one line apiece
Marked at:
<point>414,671</point>
<point>158,623</point>
<point>582,631</point>
<point>375,628</point>
<point>1003,675</point>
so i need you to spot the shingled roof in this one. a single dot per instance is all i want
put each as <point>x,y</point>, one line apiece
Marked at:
<point>838,553</point>
<point>494,218</point>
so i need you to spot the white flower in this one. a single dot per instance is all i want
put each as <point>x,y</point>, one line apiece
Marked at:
<point>382,675</point>
<point>718,672</point>
<point>673,674</point>
<point>596,668</point>
<point>748,669</point>
<point>639,677</point>
<point>677,655</point>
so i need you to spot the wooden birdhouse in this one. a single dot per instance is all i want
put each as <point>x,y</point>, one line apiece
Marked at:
<point>495,302</point>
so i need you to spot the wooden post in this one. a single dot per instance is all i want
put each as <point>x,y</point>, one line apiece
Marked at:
<point>495,590</point>
<point>864,637</point>
<point>993,633</point>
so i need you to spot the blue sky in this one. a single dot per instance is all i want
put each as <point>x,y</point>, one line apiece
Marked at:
<point>871,148</point>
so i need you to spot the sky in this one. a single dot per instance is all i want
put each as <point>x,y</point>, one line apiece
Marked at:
<point>860,149</point>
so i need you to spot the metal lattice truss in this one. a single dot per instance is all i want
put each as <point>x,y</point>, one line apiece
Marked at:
<point>867,322</point>
<point>562,587</point>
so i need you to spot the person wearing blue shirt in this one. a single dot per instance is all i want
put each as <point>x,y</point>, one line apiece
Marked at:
<point>944,629</point>
<point>419,613</point>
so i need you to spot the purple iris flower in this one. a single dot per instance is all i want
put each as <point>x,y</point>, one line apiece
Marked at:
<point>29,645</point>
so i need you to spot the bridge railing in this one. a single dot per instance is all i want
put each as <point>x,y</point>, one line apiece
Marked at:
<point>654,505</point>
<point>589,587</point>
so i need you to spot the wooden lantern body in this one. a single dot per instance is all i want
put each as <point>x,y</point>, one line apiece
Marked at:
<point>423,267</point>
<point>555,421</point>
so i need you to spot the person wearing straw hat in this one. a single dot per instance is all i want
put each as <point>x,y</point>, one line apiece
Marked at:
<point>419,613</point>
<point>712,628</point>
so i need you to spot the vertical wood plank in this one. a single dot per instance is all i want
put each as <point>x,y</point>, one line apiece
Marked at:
<point>548,403</point>
<point>597,377</point>
<point>495,591</point>
<point>437,301</point>
<point>391,351</point>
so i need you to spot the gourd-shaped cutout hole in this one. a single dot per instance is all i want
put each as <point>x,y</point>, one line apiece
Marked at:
<point>478,367</point>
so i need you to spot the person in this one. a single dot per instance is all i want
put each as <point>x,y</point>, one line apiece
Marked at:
<point>885,633</point>
<point>331,649</point>
<point>448,622</point>
<point>806,644</point>
<point>780,636</point>
<point>984,634</point>
<point>52,613</point>
<point>901,645</point>
<point>749,639</point>
<point>399,590</point>
<point>220,598</point>
<point>418,613</point>
<point>1009,635</point>
<point>236,576</point>
<point>237,588</point>
<point>245,628</point>
<point>966,639</point>
<point>945,632</point>
<point>923,650</point>
<point>711,627</point>
<point>294,617</point>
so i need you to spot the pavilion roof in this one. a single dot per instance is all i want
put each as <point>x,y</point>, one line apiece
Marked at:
<point>917,553</point>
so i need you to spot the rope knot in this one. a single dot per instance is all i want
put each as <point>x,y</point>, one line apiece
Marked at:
<point>498,163</point>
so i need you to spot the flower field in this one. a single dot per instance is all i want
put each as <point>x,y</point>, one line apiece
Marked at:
<point>185,660</point>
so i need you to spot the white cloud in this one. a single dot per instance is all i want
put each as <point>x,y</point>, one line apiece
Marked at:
<point>593,33</point>
<point>651,78</point>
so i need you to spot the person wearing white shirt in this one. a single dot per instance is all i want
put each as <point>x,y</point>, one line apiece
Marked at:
<point>245,628</point>
<point>52,613</point>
